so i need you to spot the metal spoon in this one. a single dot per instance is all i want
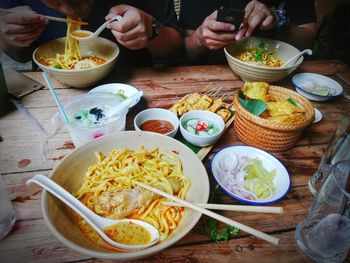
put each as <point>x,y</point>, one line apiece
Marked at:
<point>296,57</point>
<point>97,222</point>
<point>86,35</point>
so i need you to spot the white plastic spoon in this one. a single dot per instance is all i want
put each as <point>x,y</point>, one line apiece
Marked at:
<point>86,35</point>
<point>296,57</point>
<point>124,104</point>
<point>97,222</point>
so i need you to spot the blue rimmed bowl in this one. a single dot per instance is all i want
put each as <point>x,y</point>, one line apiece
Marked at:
<point>304,82</point>
<point>281,180</point>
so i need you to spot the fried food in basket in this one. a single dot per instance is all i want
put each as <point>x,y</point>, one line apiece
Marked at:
<point>281,110</point>
<point>197,101</point>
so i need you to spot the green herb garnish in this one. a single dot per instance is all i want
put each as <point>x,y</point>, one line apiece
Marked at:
<point>58,66</point>
<point>224,234</point>
<point>292,102</point>
<point>259,50</point>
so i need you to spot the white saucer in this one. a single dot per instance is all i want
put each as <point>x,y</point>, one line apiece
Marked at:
<point>115,88</point>
<point>302,80</point>
<point>318,115</point>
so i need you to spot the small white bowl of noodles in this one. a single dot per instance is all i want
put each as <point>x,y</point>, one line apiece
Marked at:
<point>70,174</point>
<point>263,59</point>
<point>87,74</point>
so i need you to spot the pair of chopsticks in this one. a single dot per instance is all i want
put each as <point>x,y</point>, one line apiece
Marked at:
<point>221,218</point>
<point>52,18</point>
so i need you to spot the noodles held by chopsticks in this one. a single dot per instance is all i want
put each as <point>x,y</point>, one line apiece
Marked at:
<point>71,59</point>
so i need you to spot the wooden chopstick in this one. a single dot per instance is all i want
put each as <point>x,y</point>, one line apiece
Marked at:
<point>221,218</point>
<point>241,208</point>
<point>52,18</point>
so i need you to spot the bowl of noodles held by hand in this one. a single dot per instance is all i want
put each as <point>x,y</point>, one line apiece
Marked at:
<point>104,174</point>
<point>77,64</point>
<point>261,59</point>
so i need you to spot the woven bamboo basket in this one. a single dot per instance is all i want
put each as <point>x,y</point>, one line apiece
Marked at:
<point>270,135</point>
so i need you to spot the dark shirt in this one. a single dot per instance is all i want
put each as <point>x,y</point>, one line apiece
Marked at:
<point>193,13</point>
<point>163,10</point>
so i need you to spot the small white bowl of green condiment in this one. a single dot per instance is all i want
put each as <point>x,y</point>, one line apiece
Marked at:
<point>201,128</point>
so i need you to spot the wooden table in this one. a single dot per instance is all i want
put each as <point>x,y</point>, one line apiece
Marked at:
<point>21,158</point>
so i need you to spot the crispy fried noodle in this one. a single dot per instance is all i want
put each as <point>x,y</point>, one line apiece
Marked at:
<point>109,189</point>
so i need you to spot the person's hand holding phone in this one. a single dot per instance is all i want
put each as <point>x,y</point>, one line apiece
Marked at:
<point>257,15</point>
<point>214,34</point>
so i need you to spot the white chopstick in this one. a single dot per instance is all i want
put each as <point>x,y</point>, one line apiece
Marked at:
<point>52,18</point>
<point>221,218</point>
<point>241,208</point>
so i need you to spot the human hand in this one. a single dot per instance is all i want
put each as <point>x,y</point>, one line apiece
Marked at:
<point>256,15</point>
<point>213,34</point>
<point>135,28</point>
<point>71,8</point>
<point>21,28</point>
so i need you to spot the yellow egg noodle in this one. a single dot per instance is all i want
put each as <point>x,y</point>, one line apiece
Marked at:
<point>71,52</point>
<point>109,188</point>
<point>72,59</point>
<point>256,55</point>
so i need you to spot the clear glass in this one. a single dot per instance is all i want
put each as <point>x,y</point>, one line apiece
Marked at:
<point>7,212</point>
<point>337,150</point>
<point>324,234</point>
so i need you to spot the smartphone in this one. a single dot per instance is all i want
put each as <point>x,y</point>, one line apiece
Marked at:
<point>230,15</point>
<point>19,85</point>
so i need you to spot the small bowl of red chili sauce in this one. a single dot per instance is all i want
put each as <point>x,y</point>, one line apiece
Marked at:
<point>157,120</point>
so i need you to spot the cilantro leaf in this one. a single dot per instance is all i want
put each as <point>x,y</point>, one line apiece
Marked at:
<point>58,66</point>
<point>225,234</point>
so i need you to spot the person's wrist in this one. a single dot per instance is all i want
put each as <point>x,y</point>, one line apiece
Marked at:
<point>281,18</point>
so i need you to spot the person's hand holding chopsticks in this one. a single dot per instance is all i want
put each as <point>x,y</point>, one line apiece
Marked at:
<point>22,27</point>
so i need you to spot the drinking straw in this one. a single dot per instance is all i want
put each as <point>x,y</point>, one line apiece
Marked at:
<point>53,92</point>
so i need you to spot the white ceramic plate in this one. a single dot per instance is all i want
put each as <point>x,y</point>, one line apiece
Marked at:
<point>281,181</point>
<point>115,88</point>
<point>306,79</point>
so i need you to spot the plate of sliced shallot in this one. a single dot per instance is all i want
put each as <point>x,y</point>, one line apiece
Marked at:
<point>250,175</point>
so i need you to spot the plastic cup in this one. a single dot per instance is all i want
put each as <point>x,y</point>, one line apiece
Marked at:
<point>82,132</point>
<point>7,212</point>
<point>324,234</point>
<point>337,150</point>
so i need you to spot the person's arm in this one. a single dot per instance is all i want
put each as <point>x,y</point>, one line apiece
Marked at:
<point>213,35</point>
<point>134,31</point>
<point>210,35</point>
<point>301,36</point>
<point>19,30</point>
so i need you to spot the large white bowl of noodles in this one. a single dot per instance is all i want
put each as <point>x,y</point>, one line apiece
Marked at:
<point>252,71</point>
<point>78,78</point>
<point>69,173</point>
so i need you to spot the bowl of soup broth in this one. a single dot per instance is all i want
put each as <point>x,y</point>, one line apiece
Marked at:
<point>91,60</point>
<point>151,158</point>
